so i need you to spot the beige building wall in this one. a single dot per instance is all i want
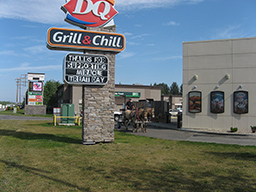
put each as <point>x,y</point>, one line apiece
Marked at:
<point>212,62</point>
<point>176,101</point>
<point>77,98</point>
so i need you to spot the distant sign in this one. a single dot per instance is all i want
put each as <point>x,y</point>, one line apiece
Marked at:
<point>36,76</point>
<point>127,94</point>
<point>35,86</point>
<point>86,69</point>
<point>79,40</point>
<point>35,98</point>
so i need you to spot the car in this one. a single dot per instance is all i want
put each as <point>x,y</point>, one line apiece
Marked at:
<point>173,112</point>
<point>21,106</point>
<point>180,110</point>
<point>118,116</point>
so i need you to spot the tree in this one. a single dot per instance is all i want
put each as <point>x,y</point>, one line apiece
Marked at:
<point>165,88</point>
<point>174,89</point>
<point>50,99</point>
<point>181,89</point>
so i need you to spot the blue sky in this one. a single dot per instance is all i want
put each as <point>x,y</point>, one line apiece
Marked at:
<point>154,31</point>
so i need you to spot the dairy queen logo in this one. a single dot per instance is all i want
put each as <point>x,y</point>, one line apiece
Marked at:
<point>89,13</point>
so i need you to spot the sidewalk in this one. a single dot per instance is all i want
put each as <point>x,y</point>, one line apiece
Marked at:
<point>173,126</point>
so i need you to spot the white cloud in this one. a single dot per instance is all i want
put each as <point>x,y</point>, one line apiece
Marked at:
<point>28,67</point>
<point>125,54</point>
<point>7,52</point>
<point>141,4</point>
<point>36,49</point>
<point>48,11</point>
<point>168,58</point>
<point>127,34</point>
<point>232,31</point>
<point>140,36</point>
<point>172,23</point>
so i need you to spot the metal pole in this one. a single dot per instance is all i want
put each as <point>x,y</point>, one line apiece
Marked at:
<point>17,91</point>
<point>83,95</point>
<point>20,92</point>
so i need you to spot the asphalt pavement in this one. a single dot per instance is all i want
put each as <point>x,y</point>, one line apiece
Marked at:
<point>171,132</point>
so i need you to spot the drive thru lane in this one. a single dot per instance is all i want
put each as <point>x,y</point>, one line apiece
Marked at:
<point>184,135</point>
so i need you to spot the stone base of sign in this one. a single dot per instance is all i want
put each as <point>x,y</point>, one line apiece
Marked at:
<point>99,105</point>
<point>35,110</point>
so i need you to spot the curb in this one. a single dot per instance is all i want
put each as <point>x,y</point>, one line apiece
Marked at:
<point>165,126</point>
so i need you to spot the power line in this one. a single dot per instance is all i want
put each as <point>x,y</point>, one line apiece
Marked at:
<point>21,82</point>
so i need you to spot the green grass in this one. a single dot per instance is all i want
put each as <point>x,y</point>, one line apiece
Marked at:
<point>21,113</point>
<point>35,156</point>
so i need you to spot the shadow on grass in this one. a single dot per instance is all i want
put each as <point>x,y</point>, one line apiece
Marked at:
<point>41,173</point>
<point>37,136</point>
<point>50,124</point>
<point>246,156</point>
<point>173,178</point>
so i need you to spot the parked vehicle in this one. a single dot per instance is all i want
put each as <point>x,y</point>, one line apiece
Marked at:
<point>173,112</point>
<point>180,110</point>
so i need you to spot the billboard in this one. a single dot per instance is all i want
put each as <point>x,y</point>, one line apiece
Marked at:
<point>195,101</point>
<point>240,102</point>
<point>217,102</point>
<point>85,69</point>
<point>35,88</point>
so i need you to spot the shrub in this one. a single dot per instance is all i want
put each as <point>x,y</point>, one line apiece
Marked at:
<point>233,129</point>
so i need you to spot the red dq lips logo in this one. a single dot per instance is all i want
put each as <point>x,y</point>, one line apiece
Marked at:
<point>90,13</point>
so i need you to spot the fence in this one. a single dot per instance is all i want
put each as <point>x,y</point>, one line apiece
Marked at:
<point>77,119</point>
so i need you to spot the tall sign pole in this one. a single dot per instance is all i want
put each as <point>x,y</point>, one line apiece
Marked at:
<point>94,70</point>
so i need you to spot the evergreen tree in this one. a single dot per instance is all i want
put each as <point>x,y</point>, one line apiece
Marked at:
<point>174,89</point>
<point>165,88</point>
<point>181,89</point>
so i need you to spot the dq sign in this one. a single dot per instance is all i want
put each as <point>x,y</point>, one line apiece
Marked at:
<point>89,13</point>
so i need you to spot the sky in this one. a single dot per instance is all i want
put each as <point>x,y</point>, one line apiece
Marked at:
<point>154,32</point>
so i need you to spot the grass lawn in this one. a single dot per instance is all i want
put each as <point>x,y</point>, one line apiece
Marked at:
<point>21,113</point>
<point>35,156</point>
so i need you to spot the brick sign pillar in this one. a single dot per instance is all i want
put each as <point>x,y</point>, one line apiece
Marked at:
<point>99,104</point>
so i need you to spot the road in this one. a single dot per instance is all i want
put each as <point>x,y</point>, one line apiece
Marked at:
<point>184,135</point>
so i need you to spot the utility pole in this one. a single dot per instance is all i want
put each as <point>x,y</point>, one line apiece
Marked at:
<point>21,82</point>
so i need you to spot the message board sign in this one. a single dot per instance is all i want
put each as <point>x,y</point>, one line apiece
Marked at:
<point>35,98</point>
<point>83,69</point>
<point>35,88</point>
<point>79,40</point>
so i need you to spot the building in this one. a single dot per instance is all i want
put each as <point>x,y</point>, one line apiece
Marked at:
<point>136,92</point>
<point>175,101</point>
<point>219,84</point>
<point>73,94</point>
